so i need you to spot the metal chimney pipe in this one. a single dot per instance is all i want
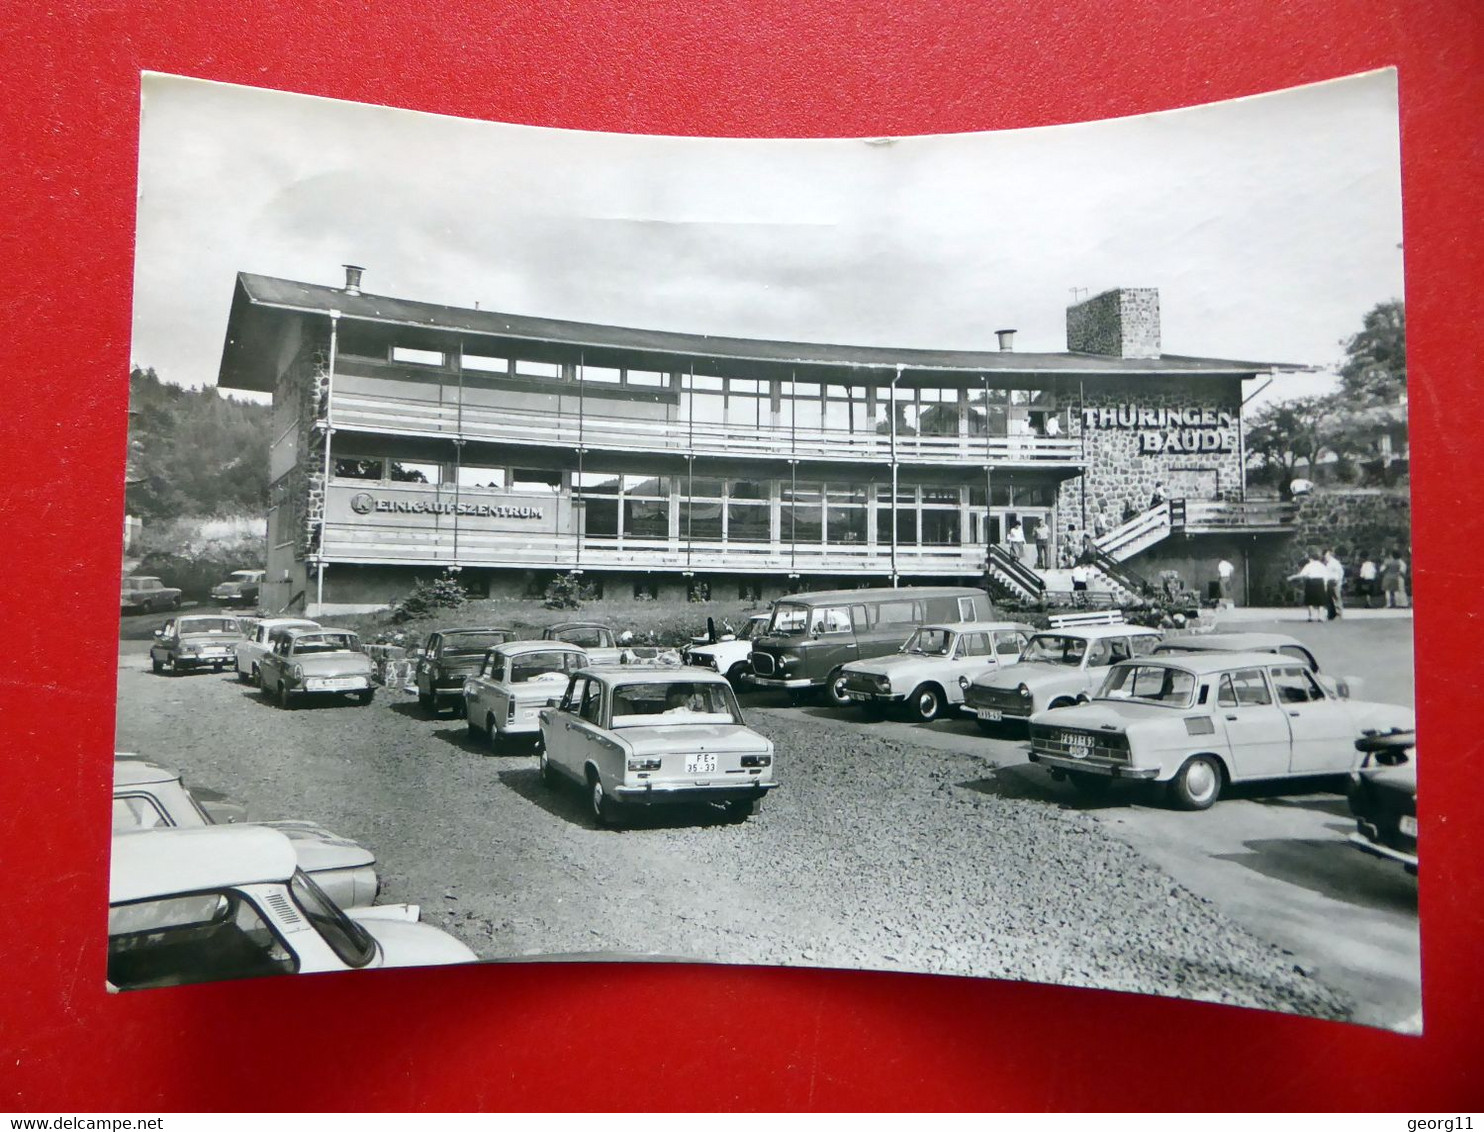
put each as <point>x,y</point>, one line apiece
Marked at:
<point>353,278</point>
<point>1007,339</point>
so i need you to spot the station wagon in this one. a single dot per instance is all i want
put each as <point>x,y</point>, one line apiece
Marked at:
<point>1196,723</point>
<point>636,736</point>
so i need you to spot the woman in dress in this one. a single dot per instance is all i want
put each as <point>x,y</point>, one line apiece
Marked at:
<point>1314,577</point>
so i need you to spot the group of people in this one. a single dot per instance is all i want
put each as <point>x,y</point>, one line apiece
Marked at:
<point>1040,537</point>
<point>1323,579</point>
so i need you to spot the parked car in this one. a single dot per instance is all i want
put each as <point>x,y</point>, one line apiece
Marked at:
<point>1383,797</point>
<point>1279,643</point>
<point>194,641</point>
<point>731,653</point>
<point>448,659</point>
<point>602,644</point>
<point>812,637</point>
<point>930,672</point>
<point>1199,722</point>
<point>1055,668</point>
<point>147,595</point>
<point>146,796</point>
<point>641,736</point>
<point>319,661</point>
<point>230,902</point>
<point>257,640</point>
<point>504,699</point>
<point>242,588</point>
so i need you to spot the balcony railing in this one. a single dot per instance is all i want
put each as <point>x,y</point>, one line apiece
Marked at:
<point>370,543</point>
<point>411,417</point>
<point>1253,516</point>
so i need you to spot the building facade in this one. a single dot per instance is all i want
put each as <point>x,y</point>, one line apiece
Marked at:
<point>411,438</point>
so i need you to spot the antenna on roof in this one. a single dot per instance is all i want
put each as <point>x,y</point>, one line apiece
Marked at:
<point>1078,293</point>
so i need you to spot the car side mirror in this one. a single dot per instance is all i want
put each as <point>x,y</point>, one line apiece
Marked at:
<point>160,633</point>
<point>1083,698</point>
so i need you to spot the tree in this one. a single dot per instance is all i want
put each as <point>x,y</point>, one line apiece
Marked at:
<point>1282,434</point>
<point>1374,371</point>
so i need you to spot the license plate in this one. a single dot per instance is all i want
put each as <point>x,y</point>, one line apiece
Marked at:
<point>857,695</point>
<point>988,713</point>
<point>336,683</point>
<point>700,764</point>
<point>1408,825</point>
<point>1073,739</point>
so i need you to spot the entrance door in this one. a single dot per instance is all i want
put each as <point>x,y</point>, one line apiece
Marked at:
<point>1031,518</point>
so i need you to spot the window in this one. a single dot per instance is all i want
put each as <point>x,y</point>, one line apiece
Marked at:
<point>601,374</point>
<point>481,363</point>
<point>749,591</point>
<point>1295,685</point>
<point>647,378</point>
<point>599,493</point>
<point>974,644</point>
<point>472,475</point>
<point>1244,689</point>
<point>748,514</point>
<point>833,620</point>
<point>347,939</point>
<point>357,468</point>
<point>592,702</point>
<point>788,619</point>
<point>204,937</point>
<point>137,811</point>
<point>1298,652</point>
<point>646,591</point>
<point>896,613</point>
<point>1101,654</point>
<point>539,480</point>
<point>573,698</point>
<point>400,471</point>
<point>1008,644</point>
<point>1143,646</point>
<point>1149,683</point>
<point>418,357</point>
<point>526,367</point>
<point>646,507</point>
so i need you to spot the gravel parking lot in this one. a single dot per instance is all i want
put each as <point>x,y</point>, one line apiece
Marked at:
<point>880,850</point>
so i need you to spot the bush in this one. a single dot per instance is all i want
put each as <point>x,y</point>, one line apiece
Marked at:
<point>426,596</point>
<point>180,554</point>
<point>567,591</point>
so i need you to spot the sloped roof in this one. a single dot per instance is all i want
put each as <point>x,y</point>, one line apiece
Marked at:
<point>260,302</point>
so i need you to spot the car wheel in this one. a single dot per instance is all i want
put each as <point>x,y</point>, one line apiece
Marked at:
<point>1197,784</point>
<point>736,672</point>
<point>243,677</point>
<point>741,810</point>
<point>834,690</point>
<point>285,701</point>
<point>427,703</point>
<point>605,809</point>
<point>363,699</point>
<point>1090,785</point>
<point>174,603</point>
<point>925,703</point>
<point>474,731</point>
<point>157,664</point>
<point>548,772</point>
<point>496,739</point>
<point>1061,703</point>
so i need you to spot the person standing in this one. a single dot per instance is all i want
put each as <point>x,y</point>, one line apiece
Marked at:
<point>1159,495</point>
<point>1392,572</point>
<point>1015,536</point>
<point>1043,544</point>
<point>1334,584</point>
<point>1224,573</point>
<point>1314,576</point>
<point>1366,587</point>
<point>1081,574</point>
<point>1099,524</point>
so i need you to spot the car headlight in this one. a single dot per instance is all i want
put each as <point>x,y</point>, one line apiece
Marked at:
<point>883,683</point>
<point>963,683</point>
<point>1025,692</point>
<point>298,672</point>
<point>189,650</point>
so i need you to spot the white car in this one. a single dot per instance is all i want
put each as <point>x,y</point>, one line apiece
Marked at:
<point>730,654</point>
<point>250,649</point>
<point>230,902</point>
<point>930,672</point>
<point>516,680</point>
<point>146,796</point>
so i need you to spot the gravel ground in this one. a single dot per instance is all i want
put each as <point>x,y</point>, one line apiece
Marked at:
<point>872,853</point>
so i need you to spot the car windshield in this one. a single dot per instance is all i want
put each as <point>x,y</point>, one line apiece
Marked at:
<point>480,642</point>
<point>1148,684</point>
<point>346,938</point>
<point>209,625</point>
<point>789,620</point>
<point>326,642</point>
<point>756,628</point>
<point>553,666</point>
<point>1052,648</point>
<point>246,575</point>
<point>666,702</point>
<point>140,583</point>
<point>930,642</point>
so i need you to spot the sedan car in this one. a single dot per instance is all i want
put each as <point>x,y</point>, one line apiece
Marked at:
<point>448,659</point>
<point>310,662</point>
<point>147,595</point>
<point>230,902</point>
<point>242,588</point>
<point>1279,643</point>
<point>194,641</point>
<point>1196,723</point>
<point>637,736</point>
<point>504,699</point>
<point>1055,668</point>
<point>249,651</point>
<point>1383,797</point>
<point>603,644</point>
<point>935,665</point>
<point>146,796</point>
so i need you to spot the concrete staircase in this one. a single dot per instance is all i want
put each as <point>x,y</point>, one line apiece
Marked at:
<point>1102,589</point>
<point>1139,533</point>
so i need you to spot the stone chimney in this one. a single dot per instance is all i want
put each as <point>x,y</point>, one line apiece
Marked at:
<point>352,278</point>
<point>1122,323</point>
<point>1007,339</point>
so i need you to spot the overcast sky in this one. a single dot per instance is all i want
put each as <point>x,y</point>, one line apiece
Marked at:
<point>1270,225</point>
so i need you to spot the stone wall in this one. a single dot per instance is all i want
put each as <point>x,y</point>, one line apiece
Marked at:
<point>1355,522</point>
<point>1120,470</point>
<point>1123,324</point>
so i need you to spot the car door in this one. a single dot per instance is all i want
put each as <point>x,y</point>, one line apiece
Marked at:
<point>165,644</point>
<point>1008,645</point>
<point>1100,656</point>
<point>478,698</point>
<point>973,656</point>
<point>270,668</point>
<point>558,733</point>
<point>1322,730</point>
<point>428,662</point>
<point>1254,725</point>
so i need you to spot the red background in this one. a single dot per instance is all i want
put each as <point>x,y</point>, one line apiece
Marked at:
<point>655,1036</point>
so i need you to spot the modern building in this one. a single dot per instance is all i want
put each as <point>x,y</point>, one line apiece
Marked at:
<point>411,438</point>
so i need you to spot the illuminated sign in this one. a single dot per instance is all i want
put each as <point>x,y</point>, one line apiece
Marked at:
<point>1180,430</point>
<point>364,503</point>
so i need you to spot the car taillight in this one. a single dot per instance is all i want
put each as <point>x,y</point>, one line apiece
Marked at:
<point>757,760</point>
<point>644,764</point>
<point>511,713</point>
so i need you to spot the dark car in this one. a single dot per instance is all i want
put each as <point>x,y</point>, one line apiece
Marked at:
<point>1383,797</point>
<point>195,641</point>
<point>242,588</point>
<point>449,658</point>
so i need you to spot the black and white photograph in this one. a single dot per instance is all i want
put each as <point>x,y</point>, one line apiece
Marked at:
<point>980,555</point>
